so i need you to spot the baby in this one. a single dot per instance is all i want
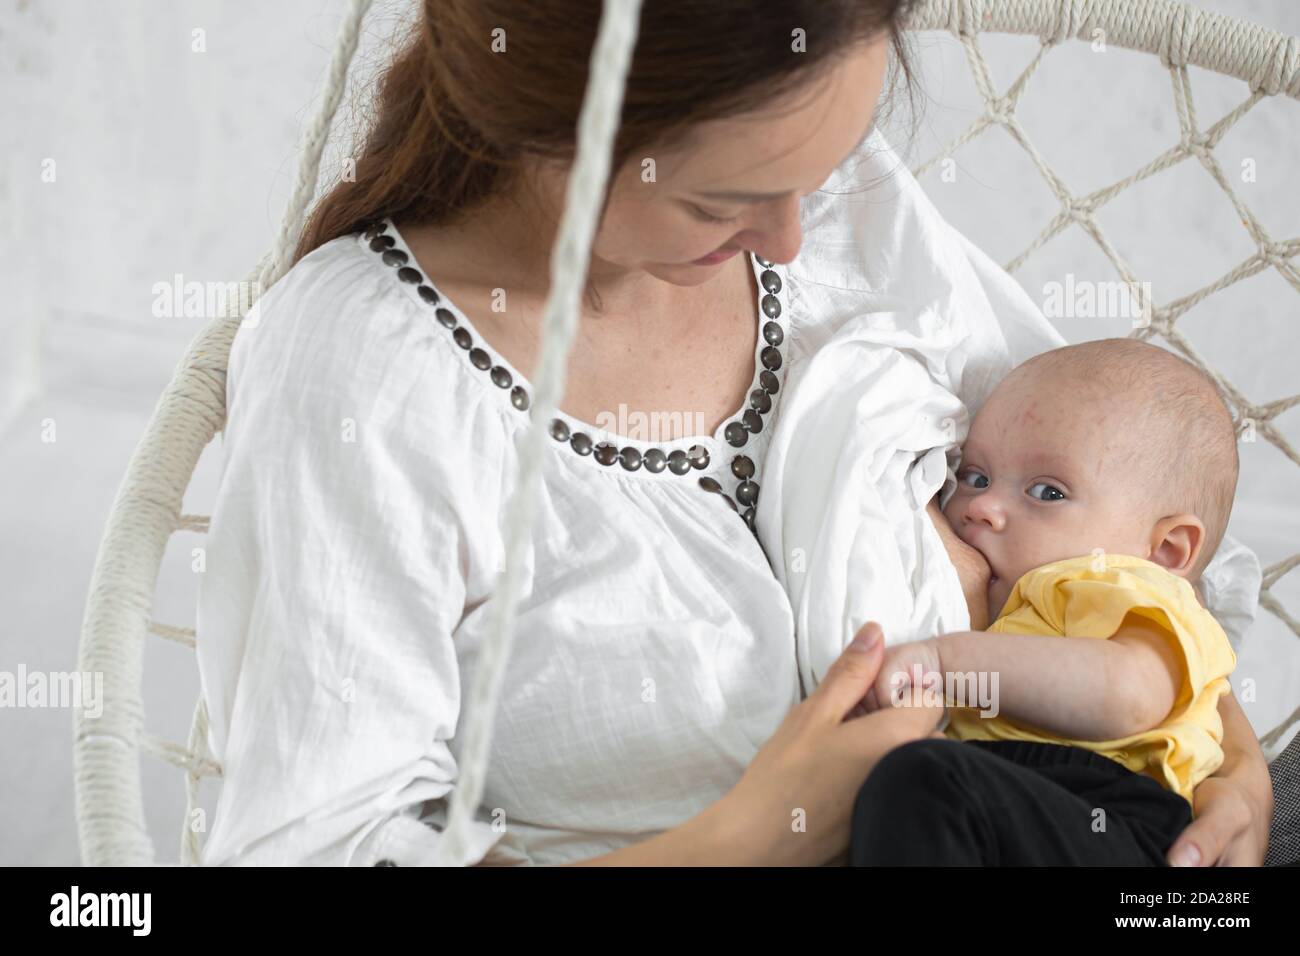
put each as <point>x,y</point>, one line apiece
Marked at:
<point>1097,481</point>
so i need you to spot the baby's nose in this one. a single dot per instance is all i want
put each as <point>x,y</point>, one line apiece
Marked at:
<point>985,509</point>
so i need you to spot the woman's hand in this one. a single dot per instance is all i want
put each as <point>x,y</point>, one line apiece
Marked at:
<point>1234,806</point>
<point>793,804</point>
<point>907,671</point>
<point>1230,828</point>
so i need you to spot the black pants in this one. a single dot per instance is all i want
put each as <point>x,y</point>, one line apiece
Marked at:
<point>940,802</point>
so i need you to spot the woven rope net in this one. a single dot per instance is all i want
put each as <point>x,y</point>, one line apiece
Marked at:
<point>146,511</point>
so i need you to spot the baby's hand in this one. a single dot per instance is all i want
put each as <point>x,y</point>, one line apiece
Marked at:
<point>906,671</point>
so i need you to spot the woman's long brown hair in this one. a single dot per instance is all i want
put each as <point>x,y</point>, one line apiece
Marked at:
<point>454,117</point>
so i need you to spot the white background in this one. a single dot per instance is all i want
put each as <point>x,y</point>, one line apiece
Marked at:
<point>170,161</point>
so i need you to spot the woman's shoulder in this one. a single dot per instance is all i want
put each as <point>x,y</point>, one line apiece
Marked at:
<point>337,342</point>
<point>329,298</point>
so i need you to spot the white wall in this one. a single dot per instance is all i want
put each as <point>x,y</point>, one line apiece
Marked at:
<point>173,161</point>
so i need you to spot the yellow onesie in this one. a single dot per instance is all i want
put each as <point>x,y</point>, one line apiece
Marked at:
<point>1088,597</point>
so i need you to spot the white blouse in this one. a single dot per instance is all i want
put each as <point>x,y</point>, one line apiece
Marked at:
<point>356,541</point>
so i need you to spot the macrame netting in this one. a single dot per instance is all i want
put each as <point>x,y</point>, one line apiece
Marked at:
<point>1180,35</point>
<point>146,511</point>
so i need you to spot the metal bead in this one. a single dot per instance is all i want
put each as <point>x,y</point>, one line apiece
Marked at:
<point>771,384</point>
<point>752,420</point>
<point>678,463</point>
<point>407,274</point>
<point>742,466</point>
<point>500,377</point>
<point>773,334</point>
<point>771,358</point>
<point>559,430</point>
<point>630,458</point>
<point>760,401</point>
<point>654,460</point>
<point>462,338</point>
<point>519,398</point>
<point>748,515</point>
<point>747,492</point>
<point>428,294</point>
<point>376,229</point>
<point>606,453</point>
<point>736,434</point>
<point>385,862</point>
<point>380,243</point>
<point>480,359</point>
<point>765,263</point>
<point>581,443</point>
<point>770,281</point>
<point>710,484</point>
<point>447,319</point>
<point>771,306</point>
<point>731,504</point>
<point>394,257</point>
<point>699,456</point>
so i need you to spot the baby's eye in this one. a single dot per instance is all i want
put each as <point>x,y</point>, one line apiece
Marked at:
<point>1048,493</point>
<point>974,479</point>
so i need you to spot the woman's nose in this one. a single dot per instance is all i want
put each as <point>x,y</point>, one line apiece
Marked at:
<point>778,233</point>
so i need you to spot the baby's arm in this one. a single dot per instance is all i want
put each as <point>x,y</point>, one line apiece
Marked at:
<point>1080,688</point>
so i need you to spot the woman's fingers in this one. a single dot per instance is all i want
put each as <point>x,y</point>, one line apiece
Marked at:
<point>849,678</point>
<point>907,722</point>
<point>1220,822</point>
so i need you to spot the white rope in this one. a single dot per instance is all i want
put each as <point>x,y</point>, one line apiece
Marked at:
<point>597,126</point>
<point>1179,33</point>
<point>313,140</point>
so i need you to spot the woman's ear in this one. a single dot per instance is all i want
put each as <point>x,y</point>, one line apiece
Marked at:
<point>1176,543</point>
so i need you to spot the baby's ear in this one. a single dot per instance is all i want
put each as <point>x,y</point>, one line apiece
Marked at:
<point>1176,543</point>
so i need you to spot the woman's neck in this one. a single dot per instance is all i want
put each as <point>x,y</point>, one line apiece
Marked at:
<point>507,240</point>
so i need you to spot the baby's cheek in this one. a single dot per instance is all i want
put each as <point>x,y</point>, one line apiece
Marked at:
<point>952,510</point>
<point>1056,537</point>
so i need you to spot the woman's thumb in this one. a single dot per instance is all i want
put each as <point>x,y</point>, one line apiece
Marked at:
<point>851,676</point>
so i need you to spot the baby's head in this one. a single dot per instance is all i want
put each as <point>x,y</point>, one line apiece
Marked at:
<point>1114,444</point>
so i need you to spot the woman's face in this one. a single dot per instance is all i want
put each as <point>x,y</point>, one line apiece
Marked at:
<point>737,185</point>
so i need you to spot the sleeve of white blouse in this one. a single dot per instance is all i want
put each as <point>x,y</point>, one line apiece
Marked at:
<point>332,587</point>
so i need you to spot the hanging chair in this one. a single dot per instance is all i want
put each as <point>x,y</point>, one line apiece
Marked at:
<point>146,511</point>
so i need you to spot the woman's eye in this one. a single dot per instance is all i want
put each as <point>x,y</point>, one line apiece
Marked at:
<point>974,479</point>
<point>701,214</point>
<point>1045,492</point>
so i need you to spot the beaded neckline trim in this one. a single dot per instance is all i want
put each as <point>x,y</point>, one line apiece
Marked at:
<point>382,238</point>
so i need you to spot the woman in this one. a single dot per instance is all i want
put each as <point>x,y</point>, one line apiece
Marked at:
<point>651,709</point>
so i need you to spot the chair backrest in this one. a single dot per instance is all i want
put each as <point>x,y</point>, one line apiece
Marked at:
<point>191,411</point>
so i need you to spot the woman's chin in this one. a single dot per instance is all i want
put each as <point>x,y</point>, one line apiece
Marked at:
<point>683,274</point>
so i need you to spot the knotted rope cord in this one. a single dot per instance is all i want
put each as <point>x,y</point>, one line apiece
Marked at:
<point>597,126</point>
<point>1269,62</point>
<point>313,140</point>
